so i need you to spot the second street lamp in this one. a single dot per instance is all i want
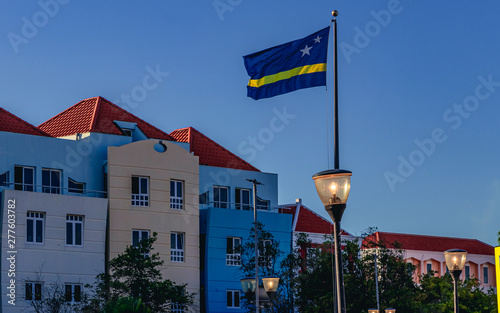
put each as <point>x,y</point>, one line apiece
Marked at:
<point>271,286</point>
<point>455,261</point>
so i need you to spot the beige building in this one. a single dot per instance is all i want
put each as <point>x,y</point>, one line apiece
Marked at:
<point>153,187</point>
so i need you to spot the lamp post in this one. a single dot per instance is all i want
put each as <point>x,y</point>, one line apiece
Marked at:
<point>271,285</point>
<point>255,183</point>
<point>333,189</point>
<point>455,261</point>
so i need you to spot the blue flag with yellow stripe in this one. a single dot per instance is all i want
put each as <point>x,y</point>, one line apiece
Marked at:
<point>288,67</point>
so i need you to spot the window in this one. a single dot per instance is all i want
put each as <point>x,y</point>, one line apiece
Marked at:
<point>34,227</point>
<point>33,291</point>
<point>204,198</point>
<point>429,268</point>
<point>262,204</point>
<point>242,199</point>
<point>127,132</point>
<point>75,187</point>
<point>485,275</point>
<point>467,272</point>
<point>24,178</point>
<point>73,292</point>
<point>177,247</point>
<point>265,255</point>
<point>176,308</point>
<point>138,236</point>
<point>221,197</point>
<point>51,181</point>
<point>74,230</point>
<point>176,194</point>
<point>233,258</point>
<point>140,191</point>
<point>4,179</point>
<point>233,299</point>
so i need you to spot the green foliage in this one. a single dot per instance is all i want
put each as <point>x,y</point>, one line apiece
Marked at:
<point>498,238</point>
<point>136,275</point>
<point>127,305</point>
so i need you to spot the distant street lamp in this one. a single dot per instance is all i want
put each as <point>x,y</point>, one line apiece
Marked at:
<point>372,311</point>
<point>333,188</point>
<point>390,310</point>
<point>271,285</point>
<point>455,261</point>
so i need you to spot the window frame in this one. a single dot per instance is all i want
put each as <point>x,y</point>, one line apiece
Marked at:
<point>262,204</point>
<point>33,285</point>
<point>486,273</point>
<point>232,258</point>
<point>140,237</point>
<point>233,298</point>
<point>74,220</point>
<point>467,272</point>
<point>73,292</point>
<point>177,254</point>
<point>218,203</point>
<point>35,217</point>
<point>140,199</point>
<point>176,201</point>
<point>51,187</point>
<point>429,268</point>
<point>22,185</point>
<point>239,198</point>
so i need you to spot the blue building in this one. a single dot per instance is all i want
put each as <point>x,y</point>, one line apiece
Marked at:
<point>226,217</point>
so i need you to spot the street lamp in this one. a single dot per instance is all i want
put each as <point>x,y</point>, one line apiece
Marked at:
<point>333,186</point>
<point>271,285</point>
<point>455,261</point>
<point>390,310</point>
<point>333,189</point>
<point>248,284</point>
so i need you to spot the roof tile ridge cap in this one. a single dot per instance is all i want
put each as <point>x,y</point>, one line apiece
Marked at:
<point>194,129</point>
<point>140,119</point>
<point>190,137</point>
<point>63,112</point>
<point>94,114</point>
<point>25,122</point>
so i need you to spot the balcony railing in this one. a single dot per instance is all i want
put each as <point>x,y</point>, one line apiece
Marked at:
<point>55,190</point>
<point>234,206</point>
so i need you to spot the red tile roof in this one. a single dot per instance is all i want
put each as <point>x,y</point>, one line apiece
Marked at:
<point>308,220</point>
<point>431,243</point>
<point>13,124</point>
<point>96,115</point>
<point>210,152</point>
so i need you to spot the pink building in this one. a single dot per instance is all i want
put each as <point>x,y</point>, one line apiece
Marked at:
<point>426,253</point>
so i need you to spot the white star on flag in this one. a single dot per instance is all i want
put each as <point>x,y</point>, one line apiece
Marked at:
<point>317,39</point>
<point>306,51</point>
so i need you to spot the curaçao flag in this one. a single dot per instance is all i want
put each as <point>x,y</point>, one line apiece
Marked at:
<point>288,67</point>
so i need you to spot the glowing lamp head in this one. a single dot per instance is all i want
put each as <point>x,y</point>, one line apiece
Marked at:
<point>271,283</point>
<point>455,259</point>
<point>333,186</point>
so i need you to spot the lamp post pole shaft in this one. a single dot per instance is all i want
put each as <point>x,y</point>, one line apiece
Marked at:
<point>339,275</point>
<point>456,276</point>
<point>256,247</point>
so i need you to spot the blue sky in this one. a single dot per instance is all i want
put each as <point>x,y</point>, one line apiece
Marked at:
<point>419,88</point>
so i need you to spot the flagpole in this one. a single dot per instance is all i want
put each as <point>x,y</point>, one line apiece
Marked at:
<point>335,93</point>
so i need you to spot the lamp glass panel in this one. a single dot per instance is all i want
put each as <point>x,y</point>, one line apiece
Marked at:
<point>334,188</point>
<point>271,283</point>
<point>455,259</point>
<point>248,285</point>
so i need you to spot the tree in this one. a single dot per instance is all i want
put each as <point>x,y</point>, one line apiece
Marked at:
<point>269,255</point>
<point>135,275</point>
<point>437,295</point>
<point>498,238</point>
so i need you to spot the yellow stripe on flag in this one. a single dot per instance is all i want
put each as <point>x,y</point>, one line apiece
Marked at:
<point>306,69</point>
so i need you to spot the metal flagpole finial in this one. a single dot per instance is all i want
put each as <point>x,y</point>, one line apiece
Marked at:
<point>335,13</point>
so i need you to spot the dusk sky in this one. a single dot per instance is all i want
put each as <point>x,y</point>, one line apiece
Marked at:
<point>419,94</point>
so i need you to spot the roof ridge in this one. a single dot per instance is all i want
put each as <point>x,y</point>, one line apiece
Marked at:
<point>94,114</point>
<point>195,130</point>
<point>25,122</point>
